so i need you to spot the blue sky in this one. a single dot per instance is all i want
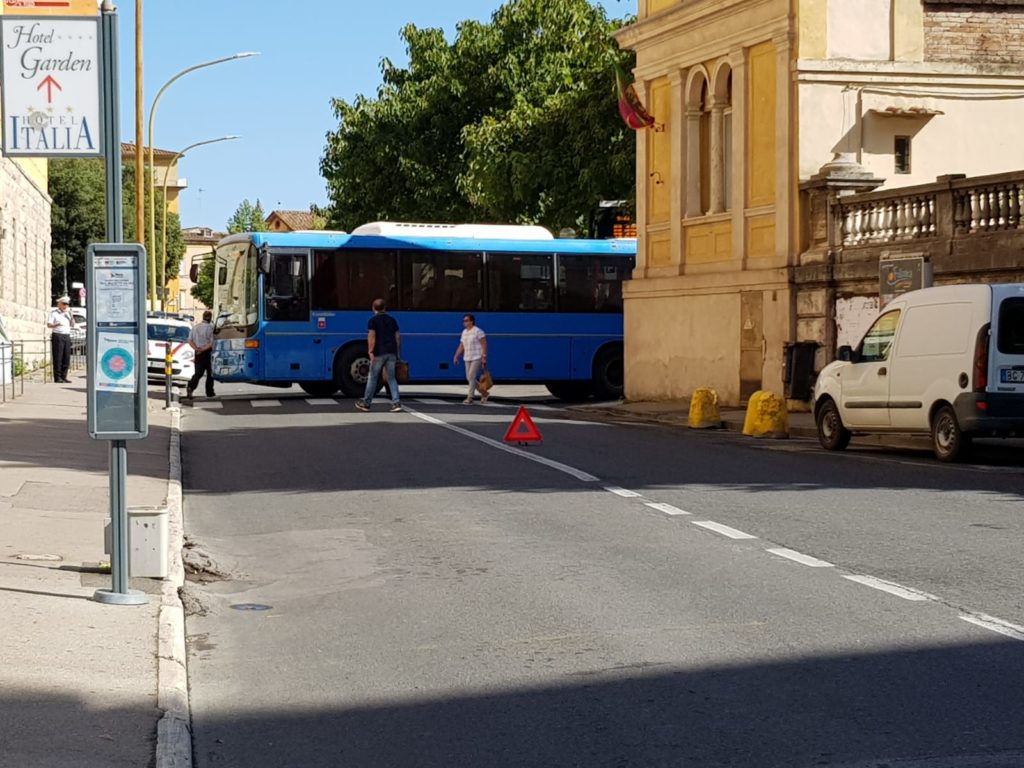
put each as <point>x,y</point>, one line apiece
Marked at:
<point>278,102</point>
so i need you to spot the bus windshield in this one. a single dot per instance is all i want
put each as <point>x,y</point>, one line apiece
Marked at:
<point>235,289</point>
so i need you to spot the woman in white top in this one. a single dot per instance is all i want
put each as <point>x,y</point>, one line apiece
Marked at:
<point>474,346</point>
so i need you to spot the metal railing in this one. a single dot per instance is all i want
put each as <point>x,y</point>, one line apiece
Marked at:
<point>30,359</point>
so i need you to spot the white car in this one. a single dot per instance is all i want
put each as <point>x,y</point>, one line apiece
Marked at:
<point>160,330</point>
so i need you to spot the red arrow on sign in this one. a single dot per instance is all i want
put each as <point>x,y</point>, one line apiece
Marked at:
<point>50,84</point>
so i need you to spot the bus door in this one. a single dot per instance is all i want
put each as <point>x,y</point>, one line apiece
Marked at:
<point>293,346</point>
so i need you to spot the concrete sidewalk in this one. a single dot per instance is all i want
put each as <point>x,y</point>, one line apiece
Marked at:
<point>78,679</point>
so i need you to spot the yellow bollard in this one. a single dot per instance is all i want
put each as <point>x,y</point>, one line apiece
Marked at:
<point>766,416</point>
<point>704,409</point>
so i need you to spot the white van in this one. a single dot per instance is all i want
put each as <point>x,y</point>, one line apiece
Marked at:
<point>945,361</point>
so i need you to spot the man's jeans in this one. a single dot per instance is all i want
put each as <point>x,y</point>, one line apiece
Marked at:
<point>382,361</point>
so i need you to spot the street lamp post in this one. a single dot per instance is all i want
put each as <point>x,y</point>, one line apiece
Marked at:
<point>163,208</point>
<point>152,169</point>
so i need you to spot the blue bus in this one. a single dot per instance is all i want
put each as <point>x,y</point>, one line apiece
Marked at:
<point>291,308</point>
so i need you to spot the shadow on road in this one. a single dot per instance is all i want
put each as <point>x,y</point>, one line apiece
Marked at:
<point>347,456</point>
<point>864,709</point>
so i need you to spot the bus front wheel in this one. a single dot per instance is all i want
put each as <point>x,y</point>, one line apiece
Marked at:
<point>609,376</point>
<point>351,370</point>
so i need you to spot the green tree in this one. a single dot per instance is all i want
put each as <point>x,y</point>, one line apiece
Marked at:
<point>78,217</point>
<point>246,218</point>
<point>514,121</point>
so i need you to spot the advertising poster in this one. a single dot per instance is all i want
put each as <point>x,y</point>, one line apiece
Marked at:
<point>115,362</point>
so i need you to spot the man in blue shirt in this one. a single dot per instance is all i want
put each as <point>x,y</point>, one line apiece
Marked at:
<point>384,343</point>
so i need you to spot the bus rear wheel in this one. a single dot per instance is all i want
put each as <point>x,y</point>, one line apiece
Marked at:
<point>570,391</point>
<point>609,374</point>
<point>319,388</point>
<point>351,370</point>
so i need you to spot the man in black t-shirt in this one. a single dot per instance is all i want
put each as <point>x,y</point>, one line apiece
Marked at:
<point>384,342</point>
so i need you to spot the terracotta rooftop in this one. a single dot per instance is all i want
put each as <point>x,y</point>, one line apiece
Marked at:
<point>128,150</point>
<point>294,220</point>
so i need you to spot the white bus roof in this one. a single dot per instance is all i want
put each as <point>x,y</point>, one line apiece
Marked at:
<point>468,231</point>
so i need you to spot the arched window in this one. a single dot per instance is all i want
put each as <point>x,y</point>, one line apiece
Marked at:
<point>698,143</point>
<point>721,149</point>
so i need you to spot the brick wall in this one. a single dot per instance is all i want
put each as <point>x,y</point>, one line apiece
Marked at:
<point>982,31</point>
<point>24,254</point>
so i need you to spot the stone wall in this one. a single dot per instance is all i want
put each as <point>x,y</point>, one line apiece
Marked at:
<point>981,32</point>
<point>24,256</point>
<point>971,230</point>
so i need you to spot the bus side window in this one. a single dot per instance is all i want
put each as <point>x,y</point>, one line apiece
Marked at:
<point>522,282</point>
<point>353,278</point>
<point>442,281</point>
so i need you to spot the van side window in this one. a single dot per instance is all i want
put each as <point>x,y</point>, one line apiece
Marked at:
<point>1011,327</point>
<point>878,340</point>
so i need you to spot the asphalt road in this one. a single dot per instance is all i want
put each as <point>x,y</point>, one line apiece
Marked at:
<point>618,596</point>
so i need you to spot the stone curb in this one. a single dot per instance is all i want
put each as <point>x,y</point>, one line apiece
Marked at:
<point>673,421</point>
<point>174,731</point>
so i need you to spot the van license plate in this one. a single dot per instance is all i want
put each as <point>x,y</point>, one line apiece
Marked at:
<point>1011,375</point>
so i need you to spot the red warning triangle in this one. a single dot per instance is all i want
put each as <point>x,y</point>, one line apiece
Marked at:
<point>522,429</point>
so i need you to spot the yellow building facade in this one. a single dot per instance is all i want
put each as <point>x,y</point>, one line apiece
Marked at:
<point>751,99</point>
<point>711,303</point>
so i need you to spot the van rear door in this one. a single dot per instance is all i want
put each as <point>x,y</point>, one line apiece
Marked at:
<point>1006,367</point>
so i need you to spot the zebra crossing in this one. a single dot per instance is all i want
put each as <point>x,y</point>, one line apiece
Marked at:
<point>331,402</point>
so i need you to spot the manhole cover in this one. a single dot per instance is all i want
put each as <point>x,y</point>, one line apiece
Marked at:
<point>251,607</point>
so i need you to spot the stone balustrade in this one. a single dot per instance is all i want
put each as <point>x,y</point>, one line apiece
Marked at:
<point>952,207</point>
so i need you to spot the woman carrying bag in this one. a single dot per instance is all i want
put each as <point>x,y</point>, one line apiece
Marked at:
<point>473,346</point>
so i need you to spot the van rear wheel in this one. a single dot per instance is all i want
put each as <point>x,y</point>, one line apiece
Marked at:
<point>949,443</point>
<point>832,435</point>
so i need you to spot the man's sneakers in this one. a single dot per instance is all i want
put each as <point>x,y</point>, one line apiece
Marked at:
<point>362,406</point>
<point>188,393</point>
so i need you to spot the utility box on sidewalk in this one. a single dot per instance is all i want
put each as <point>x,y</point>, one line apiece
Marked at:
<point>148,538</point>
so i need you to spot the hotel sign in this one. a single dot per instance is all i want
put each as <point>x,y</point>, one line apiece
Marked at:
<point>50,7</point>
<point>51,86</point>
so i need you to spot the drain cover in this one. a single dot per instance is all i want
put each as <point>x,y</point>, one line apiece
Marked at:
<point>251,607</point>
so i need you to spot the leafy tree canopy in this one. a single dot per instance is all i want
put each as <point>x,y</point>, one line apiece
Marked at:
<point>78,218</point>
<point>514,121</point>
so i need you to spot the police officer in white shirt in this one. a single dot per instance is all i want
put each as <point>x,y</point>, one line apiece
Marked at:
<point>61,322</point>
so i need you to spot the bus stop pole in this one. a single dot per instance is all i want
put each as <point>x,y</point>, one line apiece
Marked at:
<point>119,593</point>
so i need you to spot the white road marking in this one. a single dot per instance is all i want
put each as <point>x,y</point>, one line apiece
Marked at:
<point>322,401</point>
<point>579,474</point>
<point>623,492</point>
<point>432,401</point>
<point>725,530</point>
<point>209,405</point>
<point>995,625</point>
<point>801,558</point>
<point>265,403</point>
<point>668,509</point>
<point>893,589</point>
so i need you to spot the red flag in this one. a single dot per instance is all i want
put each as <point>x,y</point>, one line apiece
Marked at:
<point>632,111</point>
